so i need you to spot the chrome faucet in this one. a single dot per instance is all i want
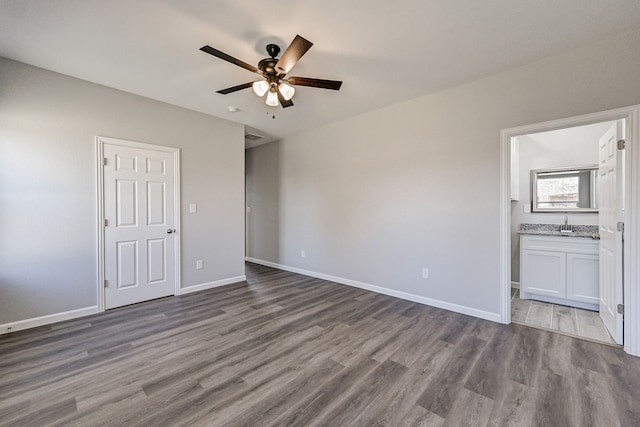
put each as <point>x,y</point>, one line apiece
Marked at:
<point>566,228</point>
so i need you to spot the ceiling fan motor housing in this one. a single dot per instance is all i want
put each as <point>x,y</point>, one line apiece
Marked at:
<point>268,66</point>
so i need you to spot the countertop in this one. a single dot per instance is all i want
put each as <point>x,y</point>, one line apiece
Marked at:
<point>585,231</point>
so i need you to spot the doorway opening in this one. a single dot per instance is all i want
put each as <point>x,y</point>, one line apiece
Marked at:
<point>568,278</point>
<point>554,226</point>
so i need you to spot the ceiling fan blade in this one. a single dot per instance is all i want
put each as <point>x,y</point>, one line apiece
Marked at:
<point>298,47</point>
<point>235,88</point>
<point>215,52</point>
<point>323,84</point>
<point>283,101</point>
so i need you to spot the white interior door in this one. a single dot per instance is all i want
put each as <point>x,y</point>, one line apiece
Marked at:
<point>139,229</point>
<point>610,205</point>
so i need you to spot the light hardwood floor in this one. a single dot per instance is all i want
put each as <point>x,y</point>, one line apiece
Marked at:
<point>569,320</point>
<point>289,350</point>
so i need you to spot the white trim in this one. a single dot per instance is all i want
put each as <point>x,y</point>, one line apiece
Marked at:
<point>632,235</point>
<point>632,214</point>
<point>504,238</point>
<point>209,285</point>
<point>47,320</point>
<point>87,311</point>
<point>100,222</point>
<point>177,222</point>
<point>494,317</point>
<point>560,301</point>
<point>100,141</point>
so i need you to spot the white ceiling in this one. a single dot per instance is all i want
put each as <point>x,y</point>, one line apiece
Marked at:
<point>554,139</point>
<point>385,52</point>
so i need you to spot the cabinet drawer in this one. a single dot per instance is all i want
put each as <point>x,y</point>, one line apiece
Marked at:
<point>560,244</point>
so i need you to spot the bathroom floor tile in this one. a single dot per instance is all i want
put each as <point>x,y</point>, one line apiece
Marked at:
<point>569,320</point>
<point>588,318</point>
<point>594,333</point>
<point>519,310</point>
<point>564,319</point>
<point>540,314</point>
<point>590,325</point>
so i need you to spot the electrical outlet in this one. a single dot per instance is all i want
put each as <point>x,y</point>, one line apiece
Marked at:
<point>425,273</point>
<point>193,208</point>
<point>303,254</point>
<point>199,264</point>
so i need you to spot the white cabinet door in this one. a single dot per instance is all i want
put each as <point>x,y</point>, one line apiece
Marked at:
<point>544,273</point>
<point>582,278</point>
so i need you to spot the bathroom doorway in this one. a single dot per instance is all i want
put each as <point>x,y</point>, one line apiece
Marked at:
<point>554,225</point>
<point>560,290</point>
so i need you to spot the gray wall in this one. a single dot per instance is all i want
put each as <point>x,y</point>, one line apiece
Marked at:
<point>263,192</point>
<point>376,198</point>
<point>561,148</point>
<point>48,124</point>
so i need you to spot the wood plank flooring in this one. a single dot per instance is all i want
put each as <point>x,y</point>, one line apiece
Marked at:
<point>288,350</point>
<point>568,320</point>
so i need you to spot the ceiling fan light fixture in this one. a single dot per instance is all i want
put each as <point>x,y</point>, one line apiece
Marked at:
<point>272,99</point>
<point>286,90</point>
<point>260,87</point>
<point>272,71</point>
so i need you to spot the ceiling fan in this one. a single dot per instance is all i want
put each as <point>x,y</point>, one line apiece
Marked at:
<point>279,89</point>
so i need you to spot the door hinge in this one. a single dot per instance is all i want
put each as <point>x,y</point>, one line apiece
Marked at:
<point>620,226</point>
<point>106,222</point>
<point>106,283</point>
<point>106,161</point>
<point>621,308</point>
<point>621,144</point>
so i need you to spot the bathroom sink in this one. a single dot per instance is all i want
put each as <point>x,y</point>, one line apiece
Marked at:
<point>566,228</point>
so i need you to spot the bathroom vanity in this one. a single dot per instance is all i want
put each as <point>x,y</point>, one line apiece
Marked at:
<point>560,268</point>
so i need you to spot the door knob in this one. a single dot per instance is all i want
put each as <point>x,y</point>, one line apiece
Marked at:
<point>170,230</point>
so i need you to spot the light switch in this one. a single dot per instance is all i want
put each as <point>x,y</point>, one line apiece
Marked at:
<point>193,208</point>
<point>526,208</point>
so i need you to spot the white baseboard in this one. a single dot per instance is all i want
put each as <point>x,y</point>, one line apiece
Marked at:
<point>560,301</point>
<point>515,285</point>
<point>47,320</point>
<point>209,285</point>
<point>81,312</point>
<point>494,317</point>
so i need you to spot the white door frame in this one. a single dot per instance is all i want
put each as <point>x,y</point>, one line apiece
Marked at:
<point>100,141</point>
<point>631,273</point>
